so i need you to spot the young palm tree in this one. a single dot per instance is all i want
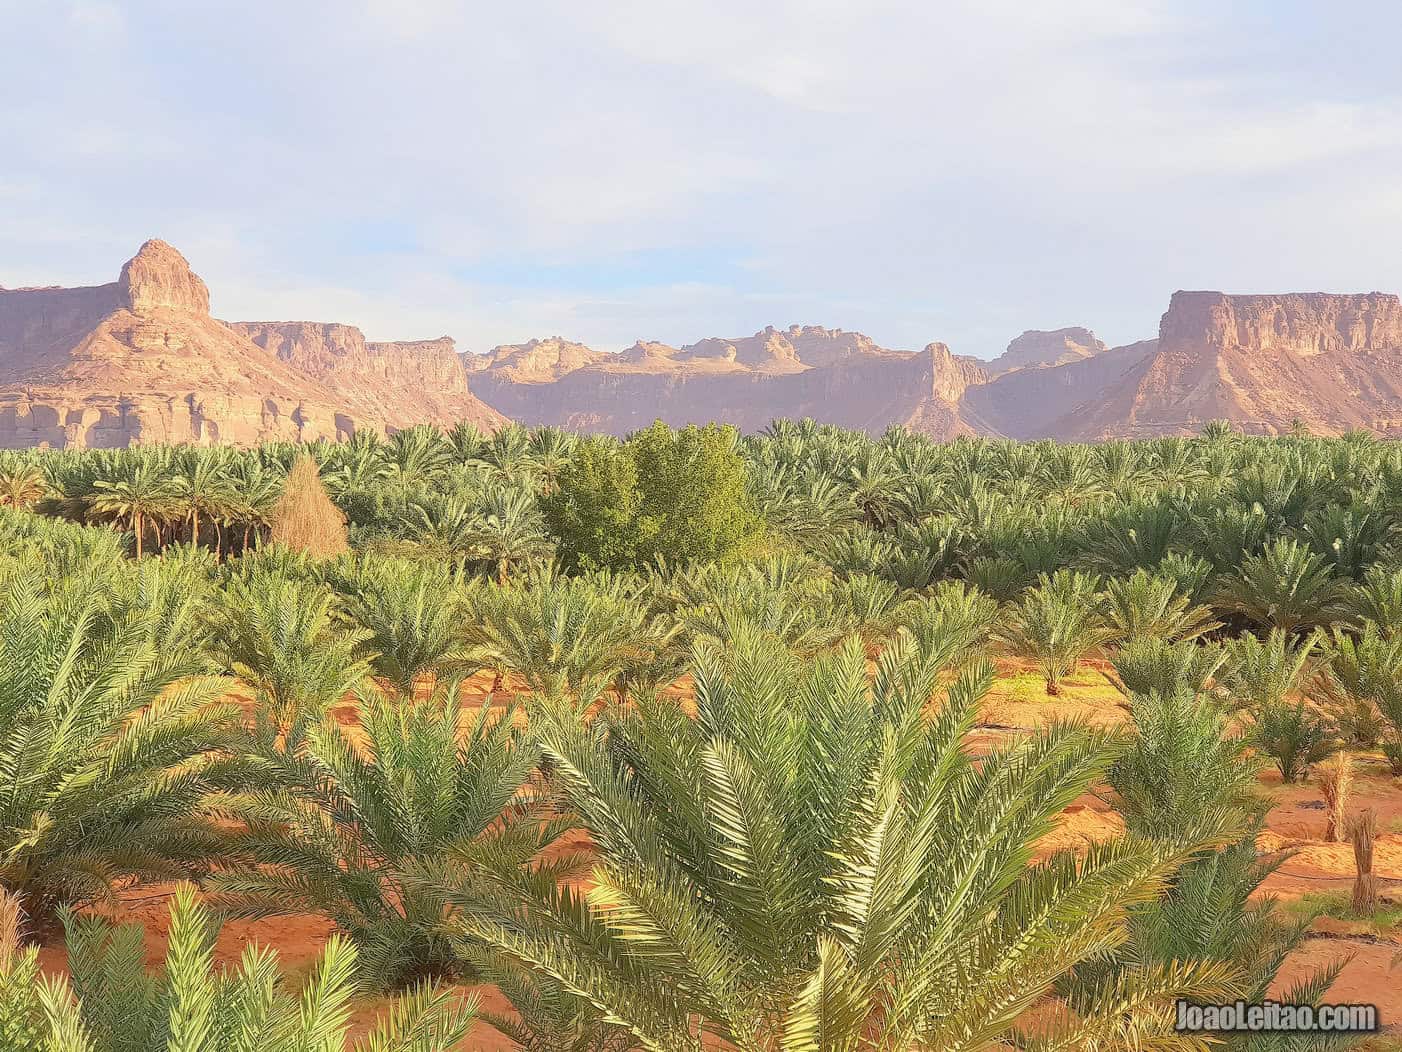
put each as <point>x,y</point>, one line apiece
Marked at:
<point>1287,586</point>
<point>1360,684</point>
<point>1377,600</point>
<point>813,862</point>
<point>1057,624</point>
<point>1264,672</point>
<point>1152,665</point>
<point>110,741</point>
<point>283,638</point>
<point>1185,771</point>
<point>413,614</point>
<point>1146,605</point>
<point>561,635</point>
<point>112,1004</point>
<point>347,821</point>
<point>1262,676</point>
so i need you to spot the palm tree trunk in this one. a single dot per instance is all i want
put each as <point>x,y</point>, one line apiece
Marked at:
<point>194,525</point>
<point>136,526</point>
<point>502,565</point>
<point>218,540</point>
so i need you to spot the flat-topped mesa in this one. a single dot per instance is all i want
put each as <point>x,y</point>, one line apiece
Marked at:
<point>1305,324</point>
<point>340,356</point>
<point>315,347</point>
<point>421,364</point>
<point>160,277</point>
<point>536,361</point>
<point>1036,348</point>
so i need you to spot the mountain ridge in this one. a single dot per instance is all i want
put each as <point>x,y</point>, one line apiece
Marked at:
<point>142,359</point>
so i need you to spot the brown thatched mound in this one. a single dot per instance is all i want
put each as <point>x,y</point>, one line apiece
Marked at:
<point>304,517</point>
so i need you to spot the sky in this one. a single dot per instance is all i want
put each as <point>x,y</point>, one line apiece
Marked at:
<point>613,171</point>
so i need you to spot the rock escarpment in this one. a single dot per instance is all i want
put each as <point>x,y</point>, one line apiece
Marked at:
<point>1041,347</point>
<point>142,360</point>
<point>1265,363</point>
<point>838,377</point>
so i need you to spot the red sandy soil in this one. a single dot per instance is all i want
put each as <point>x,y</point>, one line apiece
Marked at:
<point>1016,704</point>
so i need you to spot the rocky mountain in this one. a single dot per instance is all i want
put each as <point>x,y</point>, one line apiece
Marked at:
<point>1040,347</point>
<point>835,376</point>
<point>1332,362</point>
<point>142,360</point>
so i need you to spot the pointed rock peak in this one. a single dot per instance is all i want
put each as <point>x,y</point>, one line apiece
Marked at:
<point>158,276</point>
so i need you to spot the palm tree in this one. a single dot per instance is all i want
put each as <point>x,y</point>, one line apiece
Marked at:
<point>1360,685</point>
<point>112,1004</point>
<point>509,530</point>
<point>1057,624</point>
<point>143,495</point>
<point>413,614</point>
<point>284,639</point>
<point>1147,605</point>
<point>203,488</point>
<point>348,822</point>
<point>22,485</point>
<point>110,742</point>
<point>1287,586</point>
<point>1377,600</point>
<point>1152,665</point>
<point>1186,772</point>
<point>561,635</point>
<point>814,862</point>
<point>1262,676</point>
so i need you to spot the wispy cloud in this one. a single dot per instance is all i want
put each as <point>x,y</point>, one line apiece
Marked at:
<point>955,171</point>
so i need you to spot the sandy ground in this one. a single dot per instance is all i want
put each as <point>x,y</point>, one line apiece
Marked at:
<point>1372,949</point>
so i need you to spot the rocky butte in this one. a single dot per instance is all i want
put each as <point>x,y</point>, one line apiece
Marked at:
<point>142,360</point>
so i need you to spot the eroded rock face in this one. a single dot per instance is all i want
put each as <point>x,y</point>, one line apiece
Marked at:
<point>142,360</point>
<point>159,276</point>
<point>835,376</point>
<point>1305,324</point>
<point>1037,348</point>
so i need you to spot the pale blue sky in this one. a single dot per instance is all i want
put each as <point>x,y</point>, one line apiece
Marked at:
<point>611,171</point>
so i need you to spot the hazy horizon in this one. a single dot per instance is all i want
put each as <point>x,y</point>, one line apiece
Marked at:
<point>959,173</point>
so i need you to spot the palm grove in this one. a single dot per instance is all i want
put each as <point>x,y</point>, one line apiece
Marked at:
<point>722,792</point>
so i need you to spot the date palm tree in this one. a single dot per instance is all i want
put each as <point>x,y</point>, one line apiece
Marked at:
<point>561,635</point>
<point>285,639</point>
<point>1147,605</point>
<point>111,739</point>
<point>22,485</point>
<point>142,495</point>
<point>347,821</point>
<point>1057,624</point>
<point>413,613</point>
<point>814,862</point>
<point>509,530</point>
<point>1287,586</point>
<point>112,1003</point>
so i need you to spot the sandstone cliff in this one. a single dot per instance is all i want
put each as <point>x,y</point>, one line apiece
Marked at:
<point>835,376</point>
<point>141,360</point>
<point>1040,347</point>
<point>1332,362</point>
